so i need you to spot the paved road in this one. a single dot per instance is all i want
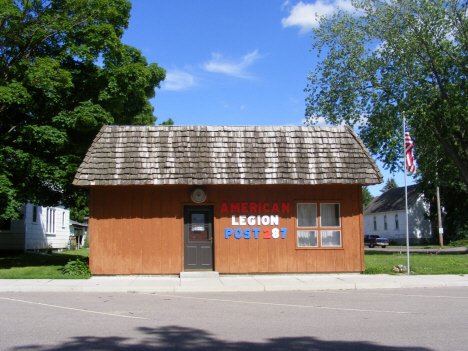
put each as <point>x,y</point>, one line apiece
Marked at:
<point>422,250</point>
<point>369,320</point>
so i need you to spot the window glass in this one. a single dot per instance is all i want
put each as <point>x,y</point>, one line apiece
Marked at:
<point>385,222</point>
<point>50,223</point>
<point>331,237</point>
<point>396,221</point>
<point>375,223</point>
<point>330,215</point>
<point>307,238</point>
<point>34,214</point>
<point>306,215</point>
<point>5,224</point>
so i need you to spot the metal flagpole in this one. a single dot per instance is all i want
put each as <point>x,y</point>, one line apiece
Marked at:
<point>406,195</point>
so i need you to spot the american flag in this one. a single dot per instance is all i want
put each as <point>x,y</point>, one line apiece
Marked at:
<point>409,152</point>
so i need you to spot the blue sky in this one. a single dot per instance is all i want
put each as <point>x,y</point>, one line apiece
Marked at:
<point>231,62</point>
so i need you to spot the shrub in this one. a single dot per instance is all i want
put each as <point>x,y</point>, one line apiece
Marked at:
<point>49,249</point>
<point>86,243</point>
<point>459,243</point>
<point>77,267</point>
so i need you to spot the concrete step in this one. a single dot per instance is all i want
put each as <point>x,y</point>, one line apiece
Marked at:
<point>199,274</point>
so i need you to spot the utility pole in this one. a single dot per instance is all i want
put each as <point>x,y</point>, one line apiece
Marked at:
<point>439,219</point>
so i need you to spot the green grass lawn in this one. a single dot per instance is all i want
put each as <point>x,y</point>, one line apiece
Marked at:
<point>37,266</point>
<point>420,263</point>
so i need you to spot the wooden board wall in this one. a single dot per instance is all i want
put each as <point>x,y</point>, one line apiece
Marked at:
<point>139,230</point>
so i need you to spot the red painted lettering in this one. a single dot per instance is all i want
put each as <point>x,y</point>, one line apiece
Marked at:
<point>244,207</point>
<point>285,207</point>
<point>266,207</point>
<point>253,207</point>
<point>267,233</point>
<point>235,207</point>
<point>224,207</point>
<point>275,207</point>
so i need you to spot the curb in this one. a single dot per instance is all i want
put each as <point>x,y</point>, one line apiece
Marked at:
<point>255,283</point>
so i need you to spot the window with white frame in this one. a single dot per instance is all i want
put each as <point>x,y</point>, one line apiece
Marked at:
<point>307,217</point>
<point>385,222</point>
<point>318,225</point>
<point>375,223</point>
<point>396,222</point>
<point>63,219</point>
<point>307,238</point>
<point>331,238</point>
<point>330,215</point>
<point>50,221</point>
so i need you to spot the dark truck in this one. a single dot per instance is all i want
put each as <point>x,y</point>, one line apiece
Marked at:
<point>375,240</point>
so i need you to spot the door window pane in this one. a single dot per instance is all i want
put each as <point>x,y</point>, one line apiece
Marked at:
<point>306,215</point>
<point>330,215</point>
<point>307,238</point>
<point>331,237</point>
<point>198,227</point>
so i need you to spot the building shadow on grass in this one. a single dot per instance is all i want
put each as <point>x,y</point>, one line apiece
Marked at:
<point>181,338</point>
<point>20,259</point>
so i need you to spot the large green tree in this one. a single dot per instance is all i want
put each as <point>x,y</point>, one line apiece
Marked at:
<point>366,196</point>
<point>64,73</point>
<point>392,58</point>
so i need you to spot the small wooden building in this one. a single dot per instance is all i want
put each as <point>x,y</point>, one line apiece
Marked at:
<point>167,199</point>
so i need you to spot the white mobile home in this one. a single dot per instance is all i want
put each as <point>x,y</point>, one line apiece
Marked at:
<point>38,228</point>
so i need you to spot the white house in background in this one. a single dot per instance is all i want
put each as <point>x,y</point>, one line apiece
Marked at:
<point>385,216</point>
<point>78,232</point>
<point>39,228</point>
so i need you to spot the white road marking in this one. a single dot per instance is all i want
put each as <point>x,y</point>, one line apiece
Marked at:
<point>72,309</point>
<point>279,304</point>
<point>406,295</point>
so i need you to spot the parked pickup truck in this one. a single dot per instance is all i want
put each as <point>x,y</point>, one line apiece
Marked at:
<point>375,240</point>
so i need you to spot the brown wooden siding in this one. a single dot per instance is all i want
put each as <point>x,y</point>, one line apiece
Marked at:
<point>139,230</point>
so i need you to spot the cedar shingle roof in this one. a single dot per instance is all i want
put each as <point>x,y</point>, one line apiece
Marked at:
<point>392,200</point>
<point>139,155</point>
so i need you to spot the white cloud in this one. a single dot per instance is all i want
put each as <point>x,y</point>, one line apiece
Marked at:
<point>219,64</point>
<point>178,80</point>
<point>320,122</point>
<point>304,15</point>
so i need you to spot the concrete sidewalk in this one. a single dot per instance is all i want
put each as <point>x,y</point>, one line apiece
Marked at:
<point>283,282</point>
